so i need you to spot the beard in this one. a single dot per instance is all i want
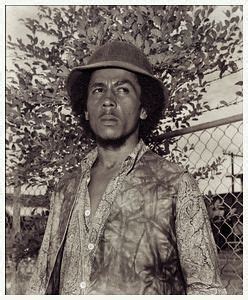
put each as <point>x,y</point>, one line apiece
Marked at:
<point>113,142</point>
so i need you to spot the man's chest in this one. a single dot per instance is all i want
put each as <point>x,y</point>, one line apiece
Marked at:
<point>99,180</point>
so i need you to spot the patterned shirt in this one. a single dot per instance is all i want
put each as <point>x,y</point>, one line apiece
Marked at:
<point>150,233</point>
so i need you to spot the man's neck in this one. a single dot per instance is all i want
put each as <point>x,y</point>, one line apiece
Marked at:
<point>111,156</point>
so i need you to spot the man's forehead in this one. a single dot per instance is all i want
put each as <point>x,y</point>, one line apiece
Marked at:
<point>116,74</point>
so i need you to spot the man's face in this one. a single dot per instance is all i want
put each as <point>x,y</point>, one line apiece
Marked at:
<point>113,105</point>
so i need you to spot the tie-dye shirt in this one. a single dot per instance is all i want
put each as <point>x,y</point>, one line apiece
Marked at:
<point>150,234</point>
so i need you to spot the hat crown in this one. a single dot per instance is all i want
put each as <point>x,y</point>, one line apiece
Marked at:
<point>123,52</point>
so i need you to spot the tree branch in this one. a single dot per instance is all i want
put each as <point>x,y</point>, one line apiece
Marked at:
<point>216,79</point>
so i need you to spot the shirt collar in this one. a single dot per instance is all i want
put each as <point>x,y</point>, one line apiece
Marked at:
<point>135,155</point>
<point>129,162</point>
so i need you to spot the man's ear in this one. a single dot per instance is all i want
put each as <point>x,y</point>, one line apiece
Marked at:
<point>86,115</point>
<point>143,114</point>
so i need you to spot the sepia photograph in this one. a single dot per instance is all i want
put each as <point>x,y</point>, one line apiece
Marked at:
<point>124,149</point>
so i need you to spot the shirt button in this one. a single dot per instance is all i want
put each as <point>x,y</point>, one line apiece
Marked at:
<point>91,246</point>
<point>87,212</point>
<point>83,285</point>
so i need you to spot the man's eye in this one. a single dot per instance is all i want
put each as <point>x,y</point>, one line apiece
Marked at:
<point>124,90</point>
<point>98,90</point>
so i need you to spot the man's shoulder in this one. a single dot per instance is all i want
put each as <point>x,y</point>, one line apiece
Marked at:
<point>160,163</point>
<point>69,177</point>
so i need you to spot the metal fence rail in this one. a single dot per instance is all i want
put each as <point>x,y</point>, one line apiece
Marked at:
<point>212,152</point>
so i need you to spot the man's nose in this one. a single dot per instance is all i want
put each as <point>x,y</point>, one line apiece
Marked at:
<point>109,99</point>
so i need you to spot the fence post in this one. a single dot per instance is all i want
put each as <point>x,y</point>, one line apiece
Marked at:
<point>16,228</point>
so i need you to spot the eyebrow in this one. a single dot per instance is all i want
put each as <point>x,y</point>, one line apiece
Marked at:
<point>124,81</point>
<point>96,84</point>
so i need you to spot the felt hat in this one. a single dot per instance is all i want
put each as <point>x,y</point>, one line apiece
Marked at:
<point>114,54</point>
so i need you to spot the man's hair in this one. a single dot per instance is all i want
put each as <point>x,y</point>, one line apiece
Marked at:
<point>151,98</point>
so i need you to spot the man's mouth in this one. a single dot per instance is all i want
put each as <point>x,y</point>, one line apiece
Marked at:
<point>108,119</point>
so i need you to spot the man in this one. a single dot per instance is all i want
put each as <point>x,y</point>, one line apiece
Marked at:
<point>127,221</point>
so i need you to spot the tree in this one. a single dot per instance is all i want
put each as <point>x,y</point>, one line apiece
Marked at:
<point>184,45</point>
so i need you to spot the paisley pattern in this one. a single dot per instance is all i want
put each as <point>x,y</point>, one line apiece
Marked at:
<point>149,235</point>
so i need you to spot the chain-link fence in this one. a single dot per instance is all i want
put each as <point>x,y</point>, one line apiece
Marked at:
<point>212,152</point>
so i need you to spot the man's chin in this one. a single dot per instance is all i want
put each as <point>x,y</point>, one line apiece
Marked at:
<point>114,142</point>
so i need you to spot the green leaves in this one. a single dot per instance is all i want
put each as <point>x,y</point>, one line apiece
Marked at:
<point>156,32</point>
<point>227,13</point>
<point>239,94</point>
<point>157,21</point>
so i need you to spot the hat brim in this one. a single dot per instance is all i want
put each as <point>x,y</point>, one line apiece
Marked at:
<point>77,73</point>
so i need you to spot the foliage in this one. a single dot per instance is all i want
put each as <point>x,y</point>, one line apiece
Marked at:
<point>27,242</point>
<point>183,43</point>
